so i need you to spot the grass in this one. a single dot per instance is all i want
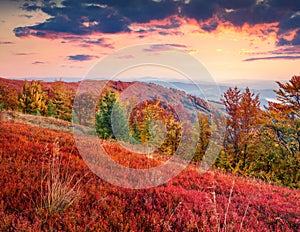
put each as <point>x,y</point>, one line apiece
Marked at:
<point>58,190</point>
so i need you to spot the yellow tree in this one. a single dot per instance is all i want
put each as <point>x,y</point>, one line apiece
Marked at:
<point>33,100</point>
<point>155,122</point>
<point>204,136</point>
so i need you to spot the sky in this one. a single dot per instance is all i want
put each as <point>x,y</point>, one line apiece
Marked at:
<point>233,39</point>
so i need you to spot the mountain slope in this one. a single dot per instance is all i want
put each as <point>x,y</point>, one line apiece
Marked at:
<point>190,202</point>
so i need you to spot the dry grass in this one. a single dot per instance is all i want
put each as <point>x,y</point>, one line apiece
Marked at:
<point>58,189</point>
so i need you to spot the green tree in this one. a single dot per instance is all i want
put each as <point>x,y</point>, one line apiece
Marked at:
<point>51,110</point>
<point>104,113</point>
<point>120,124</point>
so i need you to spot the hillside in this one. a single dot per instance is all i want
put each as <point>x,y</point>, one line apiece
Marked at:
<point>212,201</point>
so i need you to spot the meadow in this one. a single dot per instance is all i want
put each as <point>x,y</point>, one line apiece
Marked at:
<point>47,186</point>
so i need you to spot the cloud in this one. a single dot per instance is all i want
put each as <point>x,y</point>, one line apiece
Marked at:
<point>126,57</point>
<point>26,16</point>
<point>86,41</point>
<point>23,53</point>
<point>210,25</point>
<point>81,57</point>
<point>6,42</point>
<point>100,41</point>
<point>236,4</point>
<point>199,10</point>
<point>164,47</point>
<point>86,17</point>
<point>273,58</point>
<point>75,17</point>
<point>287,50</point>
<point>38,62</point>
<point>294,41</point>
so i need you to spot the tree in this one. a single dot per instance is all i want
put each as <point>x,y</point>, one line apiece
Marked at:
<point>62,101</point>
<point>248,113</point>
<point>33,100</point>
<point>120,124</point>
<point>204,136</point>
<point>51,111</point>
<point>281,130</point>
<point>289,96</point>
<point>156,123</point>
<point>104,114</point>
<point>8,97</point>
<point>84,109</point>
<point>231,101</point>
<point>243,111</point>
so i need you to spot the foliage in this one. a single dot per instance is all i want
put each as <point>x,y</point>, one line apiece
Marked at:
<point>213,201</point>
<point>33,100</point>
<point>280,135</point>
<point>51,111</point>
<point>204,136</point>
<point>156,123</point>
<point>267,141</point>
<point>242,125</point>
<point>104,114</point>
<point>8,97</point>
<point>62,100</point>
<point>84,109</point>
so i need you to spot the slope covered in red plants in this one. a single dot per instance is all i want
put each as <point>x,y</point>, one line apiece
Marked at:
<point>212,201</point>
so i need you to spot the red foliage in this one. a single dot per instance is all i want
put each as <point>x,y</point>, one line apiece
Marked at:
<point>189,202</point>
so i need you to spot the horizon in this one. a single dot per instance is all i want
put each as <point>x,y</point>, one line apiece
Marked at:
<point>242,83</point>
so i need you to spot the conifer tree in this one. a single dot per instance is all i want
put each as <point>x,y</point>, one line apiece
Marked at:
<point>62,101</point>
<point>104,114</point>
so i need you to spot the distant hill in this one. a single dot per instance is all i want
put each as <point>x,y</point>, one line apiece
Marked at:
<point>149,90</point>
<point>213,92</point>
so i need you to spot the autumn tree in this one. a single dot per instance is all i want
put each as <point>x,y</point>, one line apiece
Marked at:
<point>289,96</point>
<point>8,97</point>
<point>62,101</point>
<point>248,114</point>
<point>33,99</point>
<point>84,109</point>
<point>281,135</point>
<point>231,100</point>
<point>204,136</point>
<point>243,111</point>
<point>156,123</point>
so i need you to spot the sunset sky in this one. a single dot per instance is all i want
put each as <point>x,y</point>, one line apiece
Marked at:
<point>233,39</point>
